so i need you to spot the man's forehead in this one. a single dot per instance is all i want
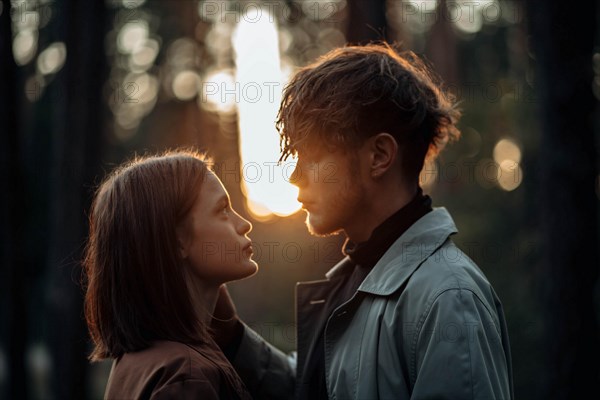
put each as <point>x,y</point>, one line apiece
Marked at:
<point>314,148</point>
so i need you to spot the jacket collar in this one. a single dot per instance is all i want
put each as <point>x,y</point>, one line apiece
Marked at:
<point>404,256</point>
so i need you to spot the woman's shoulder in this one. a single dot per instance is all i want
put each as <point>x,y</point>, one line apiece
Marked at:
<point>183,360</point>
<point>162,367</point>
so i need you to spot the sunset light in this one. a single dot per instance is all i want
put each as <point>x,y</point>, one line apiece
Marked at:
<point>258,85</point>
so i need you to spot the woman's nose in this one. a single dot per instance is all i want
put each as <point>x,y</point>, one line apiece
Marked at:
<point>244,225</point>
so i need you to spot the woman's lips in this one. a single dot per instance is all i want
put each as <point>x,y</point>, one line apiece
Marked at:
<point>247,249</point>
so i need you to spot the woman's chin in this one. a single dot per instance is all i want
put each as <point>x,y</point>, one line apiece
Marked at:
<point>249,268</point>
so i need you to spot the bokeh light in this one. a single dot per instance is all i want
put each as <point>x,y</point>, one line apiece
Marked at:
<point>134,98</point>
<point>52,59</point>
<point>507,154</point>
<point>24,46</point>
<point>143,56</point>
<point>185,85</point>
<point>507,149</point>
<point>132,3</point>
<point>132,35</point>
<point>510,175</point>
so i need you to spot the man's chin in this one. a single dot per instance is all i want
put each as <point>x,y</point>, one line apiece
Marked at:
<point>319,228</point>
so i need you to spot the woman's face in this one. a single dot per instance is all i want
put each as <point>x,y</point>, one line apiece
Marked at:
<point>213,237</point>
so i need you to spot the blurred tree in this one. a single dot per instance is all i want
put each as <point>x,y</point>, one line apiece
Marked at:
<point>79,113</point>
<point>175,122</point>
<point>13,335</point>
<point>563,46</point>
<point>367,22</point>
<point>442,47</point>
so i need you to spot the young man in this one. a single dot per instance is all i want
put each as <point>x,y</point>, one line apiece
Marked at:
<point>406,314</point>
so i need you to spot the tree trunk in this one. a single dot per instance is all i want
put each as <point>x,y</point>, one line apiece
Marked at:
<point>563,47</point>
<point>13,307</point>
<point>367,21</point>
<point>80,112</point>
<point>442,47</point>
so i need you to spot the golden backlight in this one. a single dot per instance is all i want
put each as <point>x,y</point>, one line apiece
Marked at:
<point>259,82</point>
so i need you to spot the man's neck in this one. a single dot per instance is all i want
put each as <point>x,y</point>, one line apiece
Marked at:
<point>379,206</point>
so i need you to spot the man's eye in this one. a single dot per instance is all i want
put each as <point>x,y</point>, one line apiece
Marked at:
<point>225,209</point>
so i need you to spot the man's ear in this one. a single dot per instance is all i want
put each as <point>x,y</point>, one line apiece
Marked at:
<point>383,151</point>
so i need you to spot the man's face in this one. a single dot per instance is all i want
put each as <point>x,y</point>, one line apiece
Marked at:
<point>331,190</point>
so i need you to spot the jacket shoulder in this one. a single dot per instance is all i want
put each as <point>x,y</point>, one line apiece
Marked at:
<point>179,359</point>
<point>448,268</point>
<point>163,364</point>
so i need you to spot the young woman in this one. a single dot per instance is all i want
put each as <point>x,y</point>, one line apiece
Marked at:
<point>163,240</point>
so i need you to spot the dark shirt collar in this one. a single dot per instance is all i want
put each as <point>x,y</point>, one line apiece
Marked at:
<point>366,254</point>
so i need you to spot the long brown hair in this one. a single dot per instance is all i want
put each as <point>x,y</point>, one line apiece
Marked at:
<point>135,284</point>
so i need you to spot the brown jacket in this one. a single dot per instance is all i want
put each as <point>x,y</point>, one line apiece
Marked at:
<point>172,370</point>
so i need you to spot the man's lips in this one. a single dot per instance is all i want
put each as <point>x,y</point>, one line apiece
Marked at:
<point>305,204</point>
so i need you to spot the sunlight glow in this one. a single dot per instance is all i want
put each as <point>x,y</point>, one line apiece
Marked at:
<point>428,175</point>
<point>218,92</point>
<point>259,83</point>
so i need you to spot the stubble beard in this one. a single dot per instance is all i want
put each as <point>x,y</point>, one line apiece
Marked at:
<point>336,215</point>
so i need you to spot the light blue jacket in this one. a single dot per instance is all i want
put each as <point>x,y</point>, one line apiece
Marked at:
<point>424,324</point>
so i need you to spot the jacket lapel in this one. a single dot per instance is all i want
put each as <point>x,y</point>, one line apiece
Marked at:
<point>312,300</point>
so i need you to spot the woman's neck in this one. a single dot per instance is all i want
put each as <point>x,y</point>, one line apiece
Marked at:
<point>204,297</point>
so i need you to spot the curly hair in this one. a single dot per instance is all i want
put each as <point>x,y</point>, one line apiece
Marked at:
<point>355,92</point>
